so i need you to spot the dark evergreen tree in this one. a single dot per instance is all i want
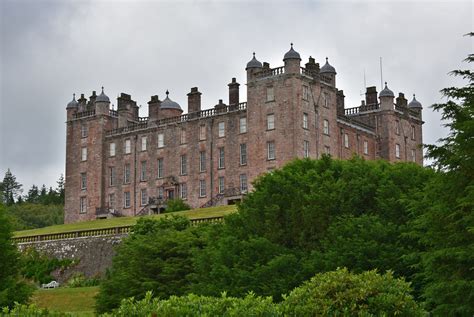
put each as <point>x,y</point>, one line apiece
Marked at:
<point>11,189</point>
<point>60,189</point>
<point>33,195</point>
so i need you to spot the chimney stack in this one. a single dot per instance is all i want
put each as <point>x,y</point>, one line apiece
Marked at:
<point>371,96</point>
<point>234,92</point>
<point>194,100</point>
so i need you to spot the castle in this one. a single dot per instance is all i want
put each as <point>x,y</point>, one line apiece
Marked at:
<point>118,163</point>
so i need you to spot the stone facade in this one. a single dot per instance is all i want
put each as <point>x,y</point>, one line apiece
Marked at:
<point>118,163</point>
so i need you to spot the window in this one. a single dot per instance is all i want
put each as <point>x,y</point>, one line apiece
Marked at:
<point>126,199</point>
<point>143,171</point>
<point>161,192</point>
<point>112,201</point>
<point>243,183</point>
<point>183,136</point>
<point>183,191</point>
<point>346,140</point>
<point>413,155</point>
<point>221,161</point>
<point>325,100</point>
<point>305,93</point>
<point>221,129</point>
<point>366,147</point>
<point>270,94</point>
<point>397,127</point>
<point>271,150</point>
<point>270,121</point>
<point>84,131</point>
<point>306,148</point>
<point>184,165</point>
<point>202,161</point>
<point>83,180</point>
<point>161,140</point>
<point>221,185</point>
<point>128,146</point>
<point>84,154</point>
<point>243,125</point>
<point>326,127</point>
<point>144,197</point>
<point>160,168</point>
<point>412,132</point>
<point>243,154</point>
<point>202,188</point>
<point>112,176</point>
<point>327,150</point>
<point>112,149</point>
<point>144,143</point>
<point>83,205</point>
<point>397,150</point>
<point>126,173</point>
<point>305,121</point>
<point>202,132</point>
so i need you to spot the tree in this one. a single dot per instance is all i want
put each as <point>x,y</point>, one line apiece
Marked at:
<point>33,195</point>
<point>444,213</point>
<point>60,189</point>
<point>11,189</point>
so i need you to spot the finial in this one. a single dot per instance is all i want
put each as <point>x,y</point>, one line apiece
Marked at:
<point>253,54</point>
<point>102,89</point>
<point>167,93</point>
<point>74,96</point>
<point>413,96</point>
<point>326,59</point>
<point>385,84</point>
<point>291,45</point>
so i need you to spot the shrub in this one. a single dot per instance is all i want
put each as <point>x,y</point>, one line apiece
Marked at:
<point>176,205</point>
<point>79,280</point>
<point>38,266</point>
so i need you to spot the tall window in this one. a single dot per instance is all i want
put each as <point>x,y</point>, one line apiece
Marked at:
<point>183,136</point>
<point>305,121</point>
<point>270,121</point>
<point>397,127</point>
<point>112,149</point>
<point>270,94</point>
<point>126,173</point>
<point>221,184</point>
<point>128,146</point>
<point>202,132</point>
<point>84,130</point>
<point>126,199</point>
<point>161,192</point>
<point>397,150</point>
<point>83,180</point>
<point>202,161</point>
<point>184,165</point>
<point>305,93</point>
<point>202,188</point>
<point>143,171</point>
<point>221,160</point>
<point>84,154</point>
<point>271,150</point>
<point>326,127</point>
<point>112,176</point>
<point>412,132</point>
<point>243,154</point>
<point>346,140</point>
<point>306,148</point>
<point>366,147</point>
<point>161,140</point>
<point>327,150</point>
<point>243,125</point>
<point>144,143</point>
<point>183,191</point>
<point>413,155</point>
<point>160,168</point>
<point>325,100</point>
<point>144,197</point>
<point>112,201</point>
<point>243,183</point>
<point>221,129</point>
<point>83,205</point>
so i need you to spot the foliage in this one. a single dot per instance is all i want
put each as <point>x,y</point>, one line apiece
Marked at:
<point>79,280</point>
<point>340,293</point>
<point>38,266</point>
<point>30,216</point>
<point>156,257</point>
<point>12,289</point>
<point>176,205</point>
<point>444,213</point>
<point>27,311</point>
<point>11,189</point>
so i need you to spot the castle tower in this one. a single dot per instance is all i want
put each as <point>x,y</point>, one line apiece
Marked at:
<point>292,61</point>
<point>169,108</point>
<point>329,72</point>
<point>253,67</point>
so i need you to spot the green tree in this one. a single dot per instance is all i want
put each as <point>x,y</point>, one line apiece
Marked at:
<point>12,289</point>
<point>444,222</point>
<point>32,195</point>
<point>11,189</point>
<point>60,189</point>
<point>176,205</point>
<point>31,216</point>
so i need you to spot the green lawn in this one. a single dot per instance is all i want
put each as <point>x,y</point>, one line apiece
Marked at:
<point>79,301</point>
<point>126,221</point>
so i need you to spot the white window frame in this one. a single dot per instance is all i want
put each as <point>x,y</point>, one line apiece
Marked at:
<point>270,94</point>
<point>327,150</point>
<point>202,161</point>
<point>83,205</point>
<point>270,121</point>
<point>183,170</point>
<point>305,148</point>
<point>221,184</point>
<point>243,183</point>
<point>183,191</point>
<point>143,197</point>
<point>243,154</point>
<point>202,132</point>
<point>143,168</point>
<point>84,131</point>
<point>83,180</point>
<point>325,127</point>
<point>111,175</point>
<point>397,150</point>
<point>112,200</point>
<point>202,188</point>
<point>397,127</point>
<point>305,120</point>
<point>221,128</point>
<point>325,100</point>
<point>128,146</point>
<point>366,147</point>
<point>413,132</point>
<point>271,150</point>
<point>183,136</point>
<point>161,192</point>
<point>144,143</point>
<point>112,149</point>
<point>161,140</point>
<point>126,200</point>
<point>84,154</point>
<point>221,158</point>
<point>413,155</point>
<point>346,140</point>
<point>127,173</point>
<point>243,125</point>
<point>305,94</point>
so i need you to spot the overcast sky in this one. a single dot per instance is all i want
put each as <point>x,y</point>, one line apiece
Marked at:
<point>52,49</point>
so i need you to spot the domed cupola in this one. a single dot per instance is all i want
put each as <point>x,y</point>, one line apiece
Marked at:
<point>73,103</point>
<point>327,68</point>
<point>254,63</point>
<point>102,97</point>
<point>291,54</point>
<point>386,92</point>
<point>169,104</point>
<point>415,104</point>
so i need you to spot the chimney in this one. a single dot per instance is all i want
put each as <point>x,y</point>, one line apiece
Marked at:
<point>194,100</point>
<point>154,108</point>
<point>340,102</point>
<point>220,107</point>
<point>401,101</point>
<point>233,92</point>
<point>371,96</point>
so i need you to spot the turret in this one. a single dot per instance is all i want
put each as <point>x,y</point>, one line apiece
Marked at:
<point>329,73</point>
<point>102,103</point>
<point>169,108</point>
<point>252,68</point>
<point>292,61</point>
<point>416,106</point>
<point>386,98</point>
<point>72,107</point>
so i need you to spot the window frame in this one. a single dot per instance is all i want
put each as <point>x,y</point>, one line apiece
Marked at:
<point>183,170</point>
<point>221,158</point>
<point>243,183</point>
<point>202,188</point>
<point>243,154</point>
<point>325,127</point>
<point>112,149</point>
<point>142,203</point>
<point>243,127</point>
<point>305,121</point>
<point>270,94</point>
<point>127,199</point>
<point>202,161</point>
<point>83,154</point>
<point>83,205</point>
<point>270,123</point>
<point>160,142</point>
<point>127,173</point>
<point>271,150</point>
<point>305,148</point>
<point>84,181</point>
<point>127,146</point>
<point>221,185</point>
<point>221,129</point>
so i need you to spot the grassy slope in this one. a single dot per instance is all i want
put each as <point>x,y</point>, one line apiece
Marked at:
<point>124,221</point>
<point>79,300</point>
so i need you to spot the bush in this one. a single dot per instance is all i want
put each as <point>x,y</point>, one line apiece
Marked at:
<point>38,267</point>
<point>340,293</point>
<point>176,205</point>
<point>79,280</point>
